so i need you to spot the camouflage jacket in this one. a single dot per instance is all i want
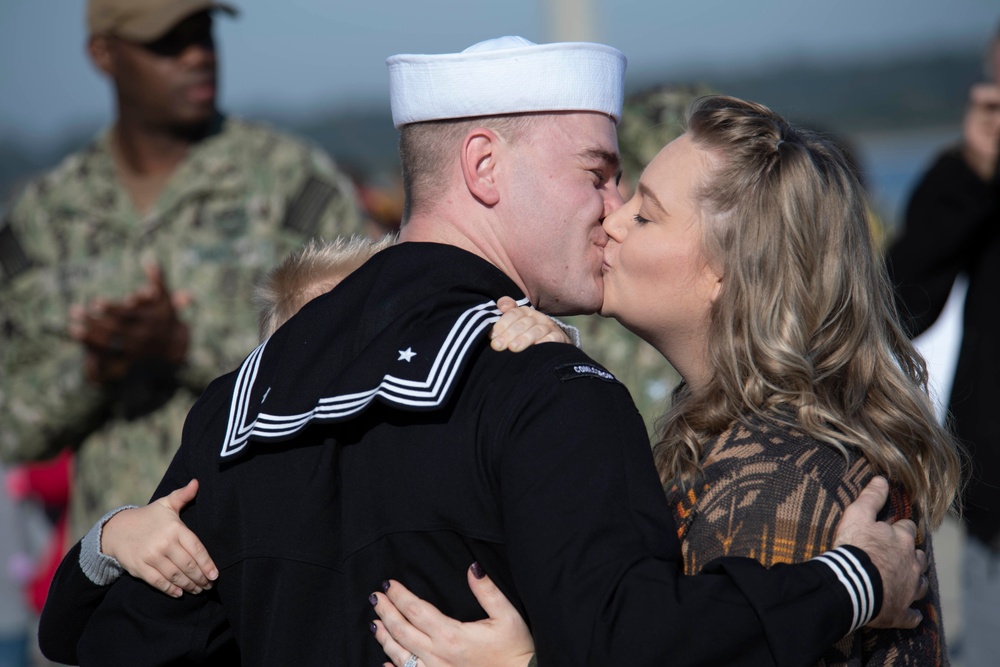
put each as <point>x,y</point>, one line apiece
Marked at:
<point>242,199</point>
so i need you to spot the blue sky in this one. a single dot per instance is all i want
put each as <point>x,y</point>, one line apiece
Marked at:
<point>301,56</point>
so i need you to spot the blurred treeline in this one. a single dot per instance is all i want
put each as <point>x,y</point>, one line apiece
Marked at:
<point>916,92</point>
<point>907,92</point>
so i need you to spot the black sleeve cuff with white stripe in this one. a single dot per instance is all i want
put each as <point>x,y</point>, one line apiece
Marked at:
<point>860,579</point>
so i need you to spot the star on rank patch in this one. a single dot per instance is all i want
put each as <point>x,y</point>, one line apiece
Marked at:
<point>406,355</point>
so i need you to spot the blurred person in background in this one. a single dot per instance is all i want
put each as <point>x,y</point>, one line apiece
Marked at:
<point>15,567</point>
<point>45,485</point>
<point>952,228</point>
<point>34,529</point>
<point>126,272</point>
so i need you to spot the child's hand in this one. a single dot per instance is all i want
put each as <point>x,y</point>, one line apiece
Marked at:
<point>153,544</point>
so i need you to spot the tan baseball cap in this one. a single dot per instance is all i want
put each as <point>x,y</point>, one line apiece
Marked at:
<point>144,20</point>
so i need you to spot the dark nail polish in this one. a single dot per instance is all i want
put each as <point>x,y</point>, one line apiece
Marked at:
<point>372,599</point>
<point>373,627</point>
<point>477,570</point>
<point>385,586</point>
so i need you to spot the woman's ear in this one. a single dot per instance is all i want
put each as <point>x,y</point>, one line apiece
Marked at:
<point>479,156</point>
<point>716,288</point>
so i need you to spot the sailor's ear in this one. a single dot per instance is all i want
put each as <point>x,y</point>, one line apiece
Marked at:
<point>479,161</point>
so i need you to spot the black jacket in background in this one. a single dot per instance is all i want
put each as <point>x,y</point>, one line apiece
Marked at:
<point>953,227</point>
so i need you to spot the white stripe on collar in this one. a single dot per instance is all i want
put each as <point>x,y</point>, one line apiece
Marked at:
<point>429,392</point>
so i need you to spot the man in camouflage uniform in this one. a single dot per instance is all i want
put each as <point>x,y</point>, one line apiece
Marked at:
<point>96,351</point>
<point>650,120</point>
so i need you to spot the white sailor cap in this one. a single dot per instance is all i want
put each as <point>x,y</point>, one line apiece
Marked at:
<point>506,75</point>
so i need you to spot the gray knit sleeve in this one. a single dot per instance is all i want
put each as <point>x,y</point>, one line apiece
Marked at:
<point>100,568</point>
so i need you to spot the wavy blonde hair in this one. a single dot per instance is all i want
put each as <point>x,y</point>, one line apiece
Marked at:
<point>804,330</point>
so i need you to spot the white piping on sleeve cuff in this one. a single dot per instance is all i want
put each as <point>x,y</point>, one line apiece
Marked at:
<point>855,580</point>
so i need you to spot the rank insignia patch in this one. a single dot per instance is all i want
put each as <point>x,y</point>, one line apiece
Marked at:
<point>306,211</point>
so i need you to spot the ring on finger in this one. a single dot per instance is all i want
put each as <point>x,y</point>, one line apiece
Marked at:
<point>411,661</point>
